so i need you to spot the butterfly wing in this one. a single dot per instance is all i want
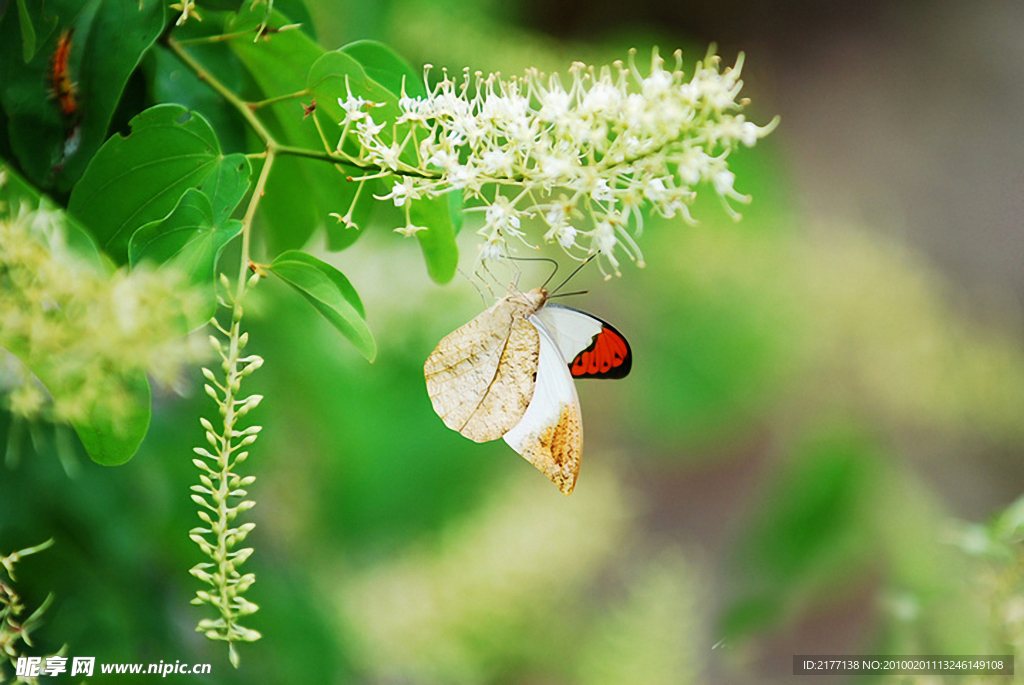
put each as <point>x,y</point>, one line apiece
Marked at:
<point>481,377</point>
<point>596,349</point>
<point>550,434</point>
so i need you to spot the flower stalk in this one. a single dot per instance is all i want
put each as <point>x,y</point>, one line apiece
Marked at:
<point>221,493</point>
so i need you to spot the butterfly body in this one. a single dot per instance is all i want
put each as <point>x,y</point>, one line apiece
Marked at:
<point>507,374</point>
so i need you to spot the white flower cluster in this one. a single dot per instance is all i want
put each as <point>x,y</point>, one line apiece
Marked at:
<point>583,160</point>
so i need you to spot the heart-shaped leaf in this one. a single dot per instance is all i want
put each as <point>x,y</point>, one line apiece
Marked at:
<point>137,179</point>
<point>330,293</point>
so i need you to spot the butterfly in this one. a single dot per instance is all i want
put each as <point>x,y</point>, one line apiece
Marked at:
<point>509,373</point>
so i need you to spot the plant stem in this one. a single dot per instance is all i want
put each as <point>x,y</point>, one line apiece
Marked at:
<point>247,111</point>
<point>250,212</point>
<point>279,98</point>
<point>218,38</point>
<point>337,159</point>
<point>224,92</point>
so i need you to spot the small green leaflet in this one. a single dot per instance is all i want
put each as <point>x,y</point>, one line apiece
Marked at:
<point>190,238</point>
<point>387,67</point>
<point>30,18</point>
<point>330,293</point>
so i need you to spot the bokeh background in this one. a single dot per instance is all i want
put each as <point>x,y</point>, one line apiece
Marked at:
<point>827,398</point>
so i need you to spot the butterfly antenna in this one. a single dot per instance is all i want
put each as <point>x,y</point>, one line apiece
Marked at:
<point>578,292</point>
<point>539,259</point>
<point>474,284</point>
<point>575,271</point>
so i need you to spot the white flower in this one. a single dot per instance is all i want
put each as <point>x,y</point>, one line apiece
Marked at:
<point>409,229</point>
<point>462,176</point>
<point>602,98</point>
<point>368,128</point>
<point>723,180</point>
<point>564,233</point>
<point>346,220</point>
<point>604,241</point>
<point>604,237</point>
<point>693,166</point>
<point>353,107</point>
<point>496,163</point>
<point>502,216</point>
<point>386,156</point>
<point>491,250</point>
<point>655,190</point>
<point>402,191</point>
<point>554,106</point>
<point>413,109</point>
<point>442,159</point>
<point>601,191</point>
<point>555,168</point>
<point>604,144</point>
<point>657,84</point>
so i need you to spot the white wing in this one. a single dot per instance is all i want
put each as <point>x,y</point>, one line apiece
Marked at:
<point>550,434</point>
<point>572,330</point>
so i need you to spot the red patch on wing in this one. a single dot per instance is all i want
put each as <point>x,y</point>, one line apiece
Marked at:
<point>608,356</point>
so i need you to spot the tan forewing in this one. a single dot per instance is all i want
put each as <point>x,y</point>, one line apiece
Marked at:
<point>481,377</point>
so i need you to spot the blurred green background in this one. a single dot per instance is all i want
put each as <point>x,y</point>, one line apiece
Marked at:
<point>825,398</point>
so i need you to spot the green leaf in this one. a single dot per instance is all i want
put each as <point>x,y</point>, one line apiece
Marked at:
<point>300,193</point>
<point>226,185</point>
<point>170,80</point>
<point>387,67</point>
<point>109,39</point>
<point>330,293</point>
<point>332,77</point>
<point>137,179</point>
<point>111,443</point>
<point>438,241</point>
<point>191,238</point>
<point>30,18</point>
